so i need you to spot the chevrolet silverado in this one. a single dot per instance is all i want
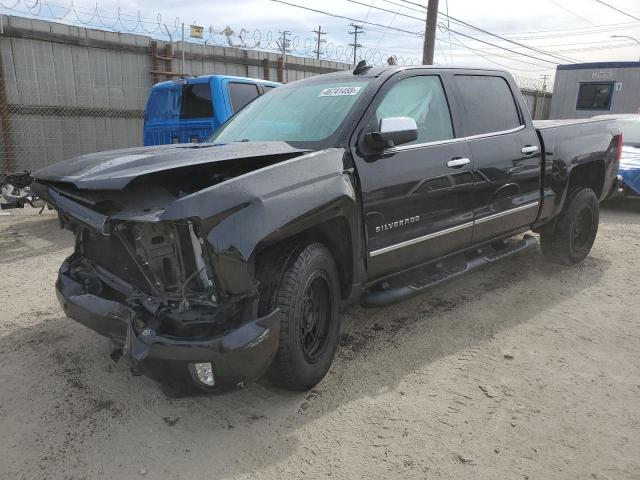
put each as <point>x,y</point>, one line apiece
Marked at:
<point>224,258</point>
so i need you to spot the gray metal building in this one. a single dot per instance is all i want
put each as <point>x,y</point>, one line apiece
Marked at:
<point>586,89</point>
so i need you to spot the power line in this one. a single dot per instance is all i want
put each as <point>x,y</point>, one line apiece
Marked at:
<point>564,59</point>
<point>468,25</point>
<point>571,12</point>
<point>386,10</point>
<point>459,42</point>
<point>477,52</point>
<point>413,33</point>
<point>618,10</point>
<point>570,31</point>
<point>500,47</point>
<point>335,15</point>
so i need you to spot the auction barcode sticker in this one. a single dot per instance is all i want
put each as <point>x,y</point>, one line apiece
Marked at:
<point>339,91</point>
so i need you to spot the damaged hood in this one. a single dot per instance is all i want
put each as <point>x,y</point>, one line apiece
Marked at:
<point>114,170</point>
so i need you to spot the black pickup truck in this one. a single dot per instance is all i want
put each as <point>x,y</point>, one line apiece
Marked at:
<point>225,258</point>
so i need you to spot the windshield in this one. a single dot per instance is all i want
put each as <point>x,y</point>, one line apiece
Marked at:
<point>305,116</point>
<point>630,132</point>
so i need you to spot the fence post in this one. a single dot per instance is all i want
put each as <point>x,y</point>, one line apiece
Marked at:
<point>154,62</point>
<point>265,68</point>
<point>5,122</point>
<point>281,69</point>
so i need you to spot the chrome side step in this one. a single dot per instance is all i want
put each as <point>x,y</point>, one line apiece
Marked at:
<point>389,296</point>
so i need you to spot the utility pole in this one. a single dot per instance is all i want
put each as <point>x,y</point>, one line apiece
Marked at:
<point>430,32</point>
<point>357,30</point>
<point>319,40</point>
<point>284,45</point>
<point>544,82</point>
<point>182,48</point>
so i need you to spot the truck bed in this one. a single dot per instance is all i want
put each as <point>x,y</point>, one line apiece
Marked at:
<point>544,124</point>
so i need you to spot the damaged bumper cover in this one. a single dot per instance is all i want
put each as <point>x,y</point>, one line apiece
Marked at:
<point>238,356</point>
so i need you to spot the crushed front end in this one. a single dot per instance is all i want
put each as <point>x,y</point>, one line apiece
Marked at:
<point>150,286</point>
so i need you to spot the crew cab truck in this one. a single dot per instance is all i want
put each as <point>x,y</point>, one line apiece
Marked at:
<point>190,110</point>
<point>227,257</point>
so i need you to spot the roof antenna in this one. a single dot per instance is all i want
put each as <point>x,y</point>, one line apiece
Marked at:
<point>361,68</point>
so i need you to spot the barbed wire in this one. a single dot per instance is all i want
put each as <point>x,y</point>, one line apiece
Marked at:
<point>171,30</point>
<point>532,83</point>
<point>158,28</point>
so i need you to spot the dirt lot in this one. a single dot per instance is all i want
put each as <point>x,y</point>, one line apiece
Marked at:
<point>523,370</point>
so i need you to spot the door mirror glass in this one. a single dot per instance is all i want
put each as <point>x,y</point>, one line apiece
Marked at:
<point>393,131</point>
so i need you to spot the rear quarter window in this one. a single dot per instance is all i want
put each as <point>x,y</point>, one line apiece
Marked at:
<point>488,103</point>
<point>196,101</point>
<point>242,93</point>
<point>163,105</point>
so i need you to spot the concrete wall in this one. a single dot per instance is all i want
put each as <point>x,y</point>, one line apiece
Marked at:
<point>626,93</point>
<point>66,91</point>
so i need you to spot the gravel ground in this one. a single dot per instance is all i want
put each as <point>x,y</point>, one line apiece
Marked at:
<point>526,370</point>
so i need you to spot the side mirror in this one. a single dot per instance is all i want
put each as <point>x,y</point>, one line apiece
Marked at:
<point>393,131</point>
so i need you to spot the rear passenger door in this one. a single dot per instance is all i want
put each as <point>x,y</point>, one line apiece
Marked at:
<point>506,154</point>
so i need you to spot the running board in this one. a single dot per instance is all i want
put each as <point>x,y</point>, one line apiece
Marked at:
<point>389,296</point>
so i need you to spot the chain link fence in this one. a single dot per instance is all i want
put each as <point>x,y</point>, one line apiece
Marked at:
<point>57,103</point>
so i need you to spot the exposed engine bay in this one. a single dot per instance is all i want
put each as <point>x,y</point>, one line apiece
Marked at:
<point>160,269</point>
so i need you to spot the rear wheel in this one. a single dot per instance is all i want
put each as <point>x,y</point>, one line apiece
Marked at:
<point>575,230</point>
<point>306,289</point>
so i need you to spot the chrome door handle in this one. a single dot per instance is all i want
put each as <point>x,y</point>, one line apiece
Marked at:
<point>458,162</point>
<point>529,149</point>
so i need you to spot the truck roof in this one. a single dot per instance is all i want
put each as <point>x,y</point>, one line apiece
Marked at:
<point>208,78</point>
<point>386,71</point>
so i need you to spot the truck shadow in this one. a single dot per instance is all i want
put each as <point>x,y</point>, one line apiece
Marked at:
<point>75,396</point>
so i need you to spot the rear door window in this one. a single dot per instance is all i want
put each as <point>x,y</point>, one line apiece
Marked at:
<point>196,101</point>
<point>489,104</point>
<point>241,94</point>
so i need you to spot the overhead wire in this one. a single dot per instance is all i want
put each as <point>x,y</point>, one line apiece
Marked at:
<point>474,27</point>
<point>618,10</point>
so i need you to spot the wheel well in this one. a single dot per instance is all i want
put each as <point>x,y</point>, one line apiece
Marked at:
<point>589,175</point>
<point>335,235</point>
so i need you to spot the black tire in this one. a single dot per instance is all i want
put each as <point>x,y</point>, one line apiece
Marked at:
<point>305,286</point>
<point>575,230</point>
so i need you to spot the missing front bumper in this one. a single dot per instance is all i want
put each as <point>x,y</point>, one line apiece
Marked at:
<point>240,355</point>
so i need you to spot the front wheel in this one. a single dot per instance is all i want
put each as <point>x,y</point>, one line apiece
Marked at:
<point>575,230</point>
<point>308,294</point>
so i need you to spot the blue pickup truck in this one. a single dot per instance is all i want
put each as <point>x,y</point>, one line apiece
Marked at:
<point>189,110</point>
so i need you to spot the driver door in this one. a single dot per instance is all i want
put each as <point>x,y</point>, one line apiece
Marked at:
<point>417,197</point>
